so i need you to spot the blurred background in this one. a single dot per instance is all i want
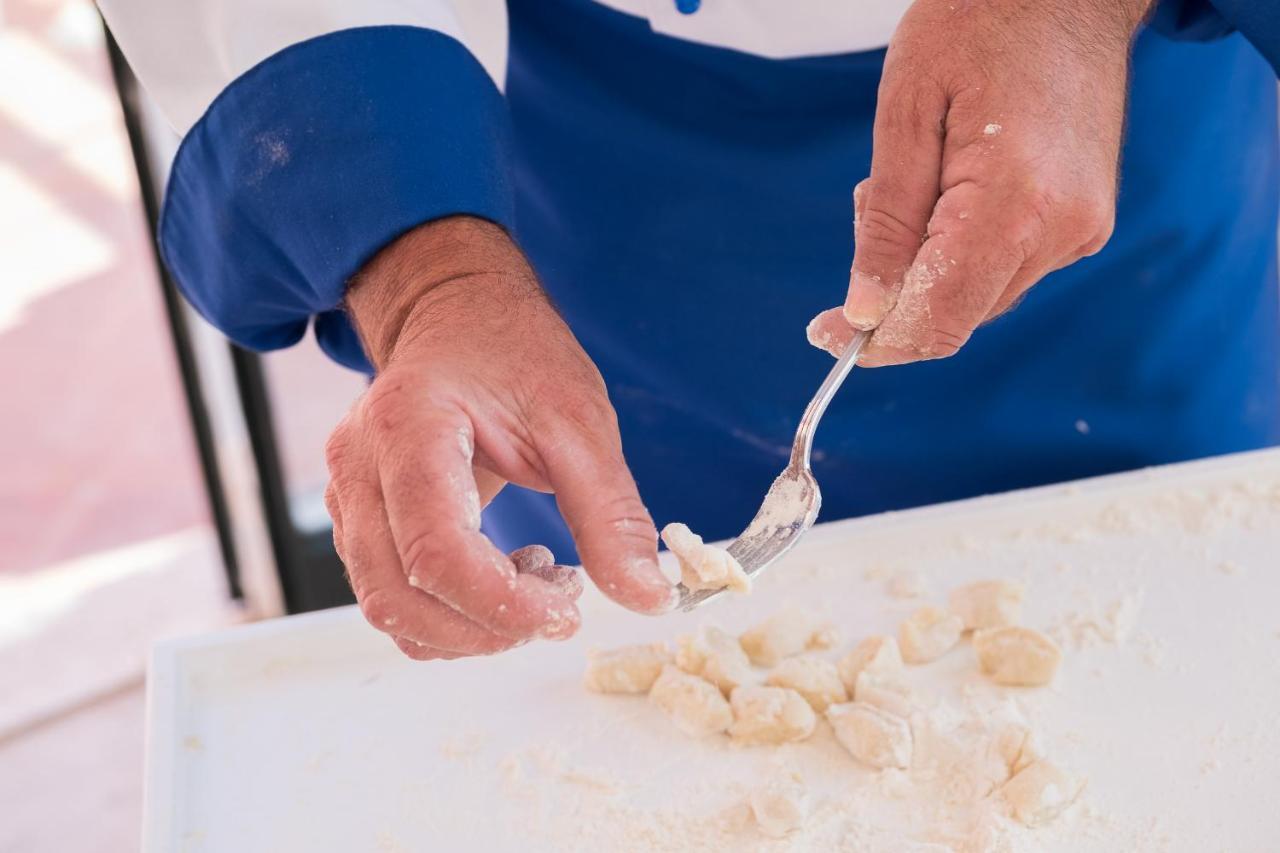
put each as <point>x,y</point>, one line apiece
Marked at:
<point>153,480</point>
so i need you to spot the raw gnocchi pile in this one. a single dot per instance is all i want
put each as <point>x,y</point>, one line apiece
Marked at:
<point>772,686</point>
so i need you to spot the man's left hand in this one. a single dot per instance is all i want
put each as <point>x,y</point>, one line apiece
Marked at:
<point>995,160</point>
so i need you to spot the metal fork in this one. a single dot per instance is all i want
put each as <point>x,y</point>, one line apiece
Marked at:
<point>792,504</point>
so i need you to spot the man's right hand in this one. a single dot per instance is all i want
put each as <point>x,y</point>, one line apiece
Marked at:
<point>479,383</point>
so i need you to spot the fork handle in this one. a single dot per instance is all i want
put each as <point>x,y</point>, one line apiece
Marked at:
<point>802,448</point>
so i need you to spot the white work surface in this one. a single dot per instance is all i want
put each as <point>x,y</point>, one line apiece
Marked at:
<point>313,734</point>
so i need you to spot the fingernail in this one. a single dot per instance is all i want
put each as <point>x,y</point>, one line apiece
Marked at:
<point>869,300</point>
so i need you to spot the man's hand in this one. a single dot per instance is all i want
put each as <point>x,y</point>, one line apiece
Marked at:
<point>479,383</point>
<point>995,157</point>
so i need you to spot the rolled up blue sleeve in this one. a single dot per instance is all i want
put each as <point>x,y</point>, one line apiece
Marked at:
<point>1202,20</point>
<point>316,158</point>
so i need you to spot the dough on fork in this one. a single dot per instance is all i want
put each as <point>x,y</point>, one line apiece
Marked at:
<point>704,566</point>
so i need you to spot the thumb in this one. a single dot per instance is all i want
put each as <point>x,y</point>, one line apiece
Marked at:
<point>615,536</point>
<point>893,206</point>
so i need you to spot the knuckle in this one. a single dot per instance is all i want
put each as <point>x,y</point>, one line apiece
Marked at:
<point>625,515</point>
<point>884,235</point>
<point>1097,224</point>
<point>337,447</point>
<point>331,500</point>
<point>1098,241</point>
<point>422,557</point>
<point>583,412</point>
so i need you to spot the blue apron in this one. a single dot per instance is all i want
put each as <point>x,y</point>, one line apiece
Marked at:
<point>688,209</point>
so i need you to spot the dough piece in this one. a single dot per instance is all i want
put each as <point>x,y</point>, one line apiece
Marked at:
<point>928,634</point>
<point>781,804</point>
<point>872,736</point>
<point>631,669</point>
<point>1017,747</point>
<point>714,654</point>
<point>1041,792</point>
<point>704,566</point>
<point>1010,749</point>
<point>1018,657</point>
<point>817,680</point>
<point>770,715</point>
<point>874,654</point>
<point>988,604</point>
<point>885,692</point>
<point>697,707</point>
<point>786,633</point>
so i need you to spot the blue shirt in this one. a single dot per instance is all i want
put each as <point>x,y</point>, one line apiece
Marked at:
<point>688,209</point>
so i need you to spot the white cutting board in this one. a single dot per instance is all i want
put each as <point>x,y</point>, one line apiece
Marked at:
<point>313,734</point>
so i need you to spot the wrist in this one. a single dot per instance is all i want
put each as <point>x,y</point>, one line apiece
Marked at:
<point>390,289</point>
<point>1125,16</point>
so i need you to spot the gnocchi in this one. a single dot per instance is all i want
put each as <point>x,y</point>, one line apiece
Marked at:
<point>874,654</point>
<point>714,654</point>
<point>1040,792</point>
<point>988,604</point>
<point>697,707</point>
<point>784,634</point>
<point>817,680</point>
<point>928,634</point>
<point>884,692</point>
<point>872,735</point>
<point>631,669</point>
<point>1017,657</point>
<point>704,566</point>
<point>770,715</point>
